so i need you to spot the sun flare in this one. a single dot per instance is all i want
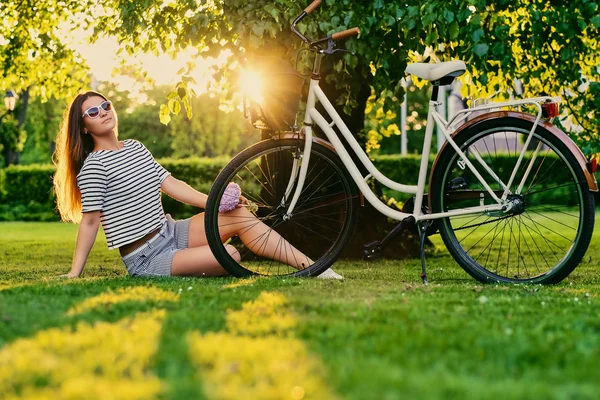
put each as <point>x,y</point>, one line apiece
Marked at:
<point>251,84</point>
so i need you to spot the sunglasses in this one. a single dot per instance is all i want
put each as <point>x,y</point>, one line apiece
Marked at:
<point>94,112</point>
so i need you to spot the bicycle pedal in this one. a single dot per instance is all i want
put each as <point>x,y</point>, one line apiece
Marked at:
<point>459,183</point>
<point>372,251</point>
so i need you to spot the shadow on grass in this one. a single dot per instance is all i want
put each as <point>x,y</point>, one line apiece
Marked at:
<point>191,305</point>
<point>26,308</point>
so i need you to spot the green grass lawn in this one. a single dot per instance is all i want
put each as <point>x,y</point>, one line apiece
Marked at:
<point>379,334</point>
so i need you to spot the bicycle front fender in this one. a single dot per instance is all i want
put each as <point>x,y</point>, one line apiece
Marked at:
<point>317,140</point>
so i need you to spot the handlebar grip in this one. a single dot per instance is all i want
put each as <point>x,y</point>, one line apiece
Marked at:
<point>312,6</point>
<point>346,33</point>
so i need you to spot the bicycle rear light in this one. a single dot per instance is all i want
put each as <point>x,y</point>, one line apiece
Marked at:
<point>593,165</point>
<point>550,110</point>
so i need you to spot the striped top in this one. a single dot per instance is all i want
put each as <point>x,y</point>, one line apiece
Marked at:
<point>125,186</point>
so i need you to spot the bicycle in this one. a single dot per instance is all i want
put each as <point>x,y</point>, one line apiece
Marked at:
<point>509,192</point>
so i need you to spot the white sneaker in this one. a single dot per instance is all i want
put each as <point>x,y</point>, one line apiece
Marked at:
<point>330,274</point>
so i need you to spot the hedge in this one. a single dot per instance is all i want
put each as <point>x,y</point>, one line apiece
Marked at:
<point>26,191</point>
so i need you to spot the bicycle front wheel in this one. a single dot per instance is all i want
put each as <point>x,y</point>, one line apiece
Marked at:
<point>545,232</point>
<point>262,238</point>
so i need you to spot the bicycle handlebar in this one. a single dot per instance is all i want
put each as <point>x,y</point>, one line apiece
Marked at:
<point>345,34</point>
<point>316,43</point>
<point>312,6</point>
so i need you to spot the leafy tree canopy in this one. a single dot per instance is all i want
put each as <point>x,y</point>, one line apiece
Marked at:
<point>32,52</point>
<point>552,46</point>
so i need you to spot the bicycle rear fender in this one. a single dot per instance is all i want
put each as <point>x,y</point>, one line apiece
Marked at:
<point>560,135</point>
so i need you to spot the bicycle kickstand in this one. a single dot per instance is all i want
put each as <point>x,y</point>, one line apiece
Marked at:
<point>422,227</point>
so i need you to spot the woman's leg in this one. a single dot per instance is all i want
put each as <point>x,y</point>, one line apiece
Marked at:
<point>257,236</point>
<point>199,261</point>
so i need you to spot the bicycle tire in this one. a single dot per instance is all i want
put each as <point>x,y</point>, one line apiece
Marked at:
<point>553,218</point>
<point>322,223</point>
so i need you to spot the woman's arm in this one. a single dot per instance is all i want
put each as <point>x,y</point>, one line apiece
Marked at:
<point>183,192</point>
<point>86,236</point>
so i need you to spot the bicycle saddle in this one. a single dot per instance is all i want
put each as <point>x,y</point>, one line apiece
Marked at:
<point>435,72</point>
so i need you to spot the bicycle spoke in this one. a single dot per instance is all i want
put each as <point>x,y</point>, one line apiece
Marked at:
<point>544,177</point>
<point>494,235</point>
<point>552,219</point>
<point>500,250</point>
<point>538,170</point>
<point>313,231</point>
<point>554,187</point>
<point>535,223</point>
<point>529,249</point>
<point>469,234</point>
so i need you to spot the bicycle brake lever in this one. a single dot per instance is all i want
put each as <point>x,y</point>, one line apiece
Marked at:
<point>330,46</point>
<point>344,51</point>
<point>332,50</point>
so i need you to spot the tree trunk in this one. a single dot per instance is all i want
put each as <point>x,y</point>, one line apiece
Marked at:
<point>372,224</point>
<point>23,109</point>
<point>12,157</point>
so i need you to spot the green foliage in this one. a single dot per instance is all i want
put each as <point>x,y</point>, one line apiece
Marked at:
<point>216,129</point>
<point>42,124</point>
<point>378,123</point>
<point>381,139</point>
<point>551,46</point>
<point>12,136</point>
<point>27,212</point>
<point>212,132</point>
<point>27,193</point>
<point>33,53</point>
<point>398,168</point>
<point>28,189</point>
<point>139,120</point>
<point>31,183</point>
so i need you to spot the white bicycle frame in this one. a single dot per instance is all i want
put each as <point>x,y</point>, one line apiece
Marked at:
<point>300,167</point>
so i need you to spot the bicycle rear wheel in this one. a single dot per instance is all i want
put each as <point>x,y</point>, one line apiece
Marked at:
<point>270,242</point>
<point>548,229</point>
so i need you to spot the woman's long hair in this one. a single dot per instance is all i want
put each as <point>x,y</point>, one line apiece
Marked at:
<point>73,145</point>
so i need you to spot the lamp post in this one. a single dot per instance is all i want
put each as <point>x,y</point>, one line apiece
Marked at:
<point>10,100</point>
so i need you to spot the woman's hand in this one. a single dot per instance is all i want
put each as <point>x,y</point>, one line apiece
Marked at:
<point>243,202</point>
<point>249,205</point>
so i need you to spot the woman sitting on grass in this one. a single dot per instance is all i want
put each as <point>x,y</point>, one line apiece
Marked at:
<point>101,180</point>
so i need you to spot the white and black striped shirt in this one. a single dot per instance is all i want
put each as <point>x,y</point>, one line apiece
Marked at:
<point>125,186</point>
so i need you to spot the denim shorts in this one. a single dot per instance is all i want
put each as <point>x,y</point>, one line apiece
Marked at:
<point>155,257</point>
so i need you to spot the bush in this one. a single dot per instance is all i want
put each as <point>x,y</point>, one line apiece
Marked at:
<point>27,212</point>
<point>30,183</point>
<point>26,191</point>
